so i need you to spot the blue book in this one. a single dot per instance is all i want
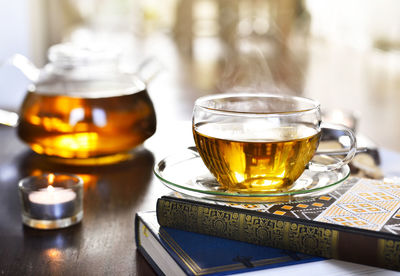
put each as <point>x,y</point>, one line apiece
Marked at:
<point>176,252</point>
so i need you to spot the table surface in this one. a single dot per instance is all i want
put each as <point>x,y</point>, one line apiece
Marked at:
<point>104,242</point>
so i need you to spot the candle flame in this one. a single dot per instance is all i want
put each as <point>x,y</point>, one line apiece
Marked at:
<point>50,178</point>
<point>50,188</point>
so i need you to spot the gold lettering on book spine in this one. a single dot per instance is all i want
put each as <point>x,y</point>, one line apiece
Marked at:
<point>389,253</point>
<point>249,228</point>
<point>263,231</point>
<point>219,222</point>
<point>292,236</point>
<point>313,240</point>
<point>178,215</point>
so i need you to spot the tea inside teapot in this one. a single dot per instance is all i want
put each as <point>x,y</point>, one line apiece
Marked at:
<point>82,110</point>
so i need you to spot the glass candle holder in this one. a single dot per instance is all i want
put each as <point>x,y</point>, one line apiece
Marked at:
<point>51,201</point>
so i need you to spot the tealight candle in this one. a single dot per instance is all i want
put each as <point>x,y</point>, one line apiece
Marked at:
<point>51,201</point>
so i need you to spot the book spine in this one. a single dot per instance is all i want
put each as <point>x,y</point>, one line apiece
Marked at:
<point>138,223</point>
<point>269,230</point>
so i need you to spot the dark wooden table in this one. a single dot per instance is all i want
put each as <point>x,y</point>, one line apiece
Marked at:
<point>103,244</point>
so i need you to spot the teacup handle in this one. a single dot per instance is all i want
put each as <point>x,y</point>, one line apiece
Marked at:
<point>350,154</point>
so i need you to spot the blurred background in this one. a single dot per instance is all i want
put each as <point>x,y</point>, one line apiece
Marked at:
<point>345,54</point>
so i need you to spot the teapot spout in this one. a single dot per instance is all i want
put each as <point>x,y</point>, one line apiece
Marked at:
<point>8,118</point>
<point>25,66</point>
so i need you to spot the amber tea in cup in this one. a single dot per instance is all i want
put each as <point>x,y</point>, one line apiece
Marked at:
<point>255,143</point>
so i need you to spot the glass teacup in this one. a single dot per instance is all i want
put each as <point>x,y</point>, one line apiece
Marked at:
<point>255,143</point>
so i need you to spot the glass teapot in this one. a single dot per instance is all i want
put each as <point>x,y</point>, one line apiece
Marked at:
<point>81,109</point>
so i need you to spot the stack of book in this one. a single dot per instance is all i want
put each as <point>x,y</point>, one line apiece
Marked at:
<point>359,223</point>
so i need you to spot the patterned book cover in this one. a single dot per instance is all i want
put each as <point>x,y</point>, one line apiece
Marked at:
<point>358,222</point>
<point>197,254</point>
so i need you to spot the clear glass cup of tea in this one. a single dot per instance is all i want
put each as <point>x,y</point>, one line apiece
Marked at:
<point>255,143</point>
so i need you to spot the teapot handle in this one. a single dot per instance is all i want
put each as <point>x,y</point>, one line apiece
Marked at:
<point>8,118</point>
<point>149,69</point>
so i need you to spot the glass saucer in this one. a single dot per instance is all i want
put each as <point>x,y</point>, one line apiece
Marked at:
<point>185,173</point>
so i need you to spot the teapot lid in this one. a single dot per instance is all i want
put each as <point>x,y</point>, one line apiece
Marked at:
<point>72,54</point>
<point>85,71</point>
